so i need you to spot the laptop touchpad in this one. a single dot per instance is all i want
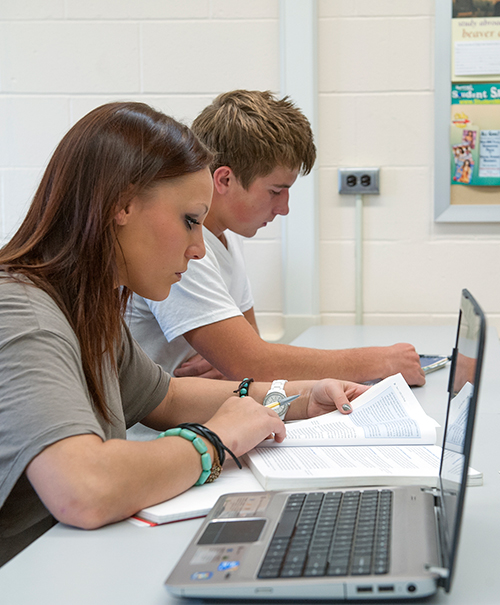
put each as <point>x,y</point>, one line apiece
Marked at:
<point>231,532</point>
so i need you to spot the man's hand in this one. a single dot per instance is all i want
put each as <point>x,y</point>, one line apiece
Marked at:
<point>198,366</point>
<point>403,357</point>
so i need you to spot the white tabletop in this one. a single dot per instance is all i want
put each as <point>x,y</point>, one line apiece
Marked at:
<point>127,565</point>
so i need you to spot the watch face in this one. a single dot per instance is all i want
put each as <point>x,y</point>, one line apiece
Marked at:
<point>276,397</point>
<point>281,410</point>
<point>273,397</point>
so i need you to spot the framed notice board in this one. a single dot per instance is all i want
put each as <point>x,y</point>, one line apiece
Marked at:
<point>467,111</point>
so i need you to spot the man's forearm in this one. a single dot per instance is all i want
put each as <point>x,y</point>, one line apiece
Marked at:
<point>233,347</point>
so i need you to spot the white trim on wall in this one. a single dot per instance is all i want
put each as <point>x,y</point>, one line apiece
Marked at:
<point>300,234</point>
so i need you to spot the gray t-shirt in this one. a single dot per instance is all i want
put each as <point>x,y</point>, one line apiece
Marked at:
<point>44,398</point>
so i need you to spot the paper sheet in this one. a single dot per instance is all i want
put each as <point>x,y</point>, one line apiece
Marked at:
<point>387,414</point>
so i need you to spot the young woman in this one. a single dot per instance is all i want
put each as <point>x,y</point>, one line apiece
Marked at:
<point>119,210</point>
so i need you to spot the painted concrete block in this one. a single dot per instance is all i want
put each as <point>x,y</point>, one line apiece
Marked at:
<point>69,57</point>
<point>208,57</point>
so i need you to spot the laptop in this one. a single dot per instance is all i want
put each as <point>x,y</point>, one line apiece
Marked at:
<point>346,544</point>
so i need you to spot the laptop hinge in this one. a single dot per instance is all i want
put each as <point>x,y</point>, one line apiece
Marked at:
<point>436,493</point>
<point>442,572</point>
<point>430,490</point>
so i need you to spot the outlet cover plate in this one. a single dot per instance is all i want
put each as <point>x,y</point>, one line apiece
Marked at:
<point>359,180</point>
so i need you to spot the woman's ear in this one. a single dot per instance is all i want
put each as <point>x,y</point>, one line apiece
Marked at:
<point>125,205</point>
<point>122,216</point>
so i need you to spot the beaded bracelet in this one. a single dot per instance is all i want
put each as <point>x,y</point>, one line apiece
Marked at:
<point>243,387</point>
<point>215,440</point>
<point>199,445</point>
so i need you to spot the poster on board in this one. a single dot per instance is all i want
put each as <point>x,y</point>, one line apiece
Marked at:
<point>475,41</point>
<point>475,134</point>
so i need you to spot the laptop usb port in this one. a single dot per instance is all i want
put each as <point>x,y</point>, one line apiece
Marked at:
<point>364,588</point>
<point>386,588</point>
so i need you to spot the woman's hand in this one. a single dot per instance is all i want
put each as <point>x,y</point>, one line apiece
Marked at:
<point>329,394</point>
<point>242,423</point>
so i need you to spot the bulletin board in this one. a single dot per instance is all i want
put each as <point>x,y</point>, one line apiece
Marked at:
<point>467,161</point>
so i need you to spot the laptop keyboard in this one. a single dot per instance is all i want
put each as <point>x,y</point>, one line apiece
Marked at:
<point>331,534</point>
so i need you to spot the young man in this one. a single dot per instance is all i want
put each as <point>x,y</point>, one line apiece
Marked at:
<point>207,325</point>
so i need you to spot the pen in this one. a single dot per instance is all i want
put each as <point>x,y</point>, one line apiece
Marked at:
<point>276,404</point>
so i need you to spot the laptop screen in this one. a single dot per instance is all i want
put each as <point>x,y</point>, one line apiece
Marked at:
<point>463,390</point>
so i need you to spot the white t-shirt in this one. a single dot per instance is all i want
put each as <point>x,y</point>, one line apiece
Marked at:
<point>212,289</point>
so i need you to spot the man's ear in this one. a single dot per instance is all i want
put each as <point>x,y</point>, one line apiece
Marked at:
<point>223,178</point>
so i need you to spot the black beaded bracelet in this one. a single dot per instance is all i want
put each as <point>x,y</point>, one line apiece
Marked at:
<point>214,439</point>
<point>243,387</point>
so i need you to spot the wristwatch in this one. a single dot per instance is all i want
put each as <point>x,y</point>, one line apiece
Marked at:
<point>276,394</point>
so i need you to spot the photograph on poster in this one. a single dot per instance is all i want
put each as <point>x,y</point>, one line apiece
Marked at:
<point>475,8</point>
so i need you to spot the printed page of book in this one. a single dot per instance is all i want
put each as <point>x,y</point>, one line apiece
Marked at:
<point>351,466</point>
<point>387,414</point>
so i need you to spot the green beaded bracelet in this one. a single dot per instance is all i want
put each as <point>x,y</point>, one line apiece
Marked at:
<point>242,390</point>
<point>201,448</point>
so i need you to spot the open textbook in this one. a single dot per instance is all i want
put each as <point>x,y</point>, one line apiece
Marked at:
<point>387,440</point>
<point>349,466</point>
<point>387,414</point>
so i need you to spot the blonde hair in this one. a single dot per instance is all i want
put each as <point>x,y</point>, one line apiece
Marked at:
<point>253,132</point>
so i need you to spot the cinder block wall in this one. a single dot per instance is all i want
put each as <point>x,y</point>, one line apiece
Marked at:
<point>376,80</point>
<point>61,58</point>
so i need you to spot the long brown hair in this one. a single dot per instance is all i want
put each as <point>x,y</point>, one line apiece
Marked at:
<point>66,243</point>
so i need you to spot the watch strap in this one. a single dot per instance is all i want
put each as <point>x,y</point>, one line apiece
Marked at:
<point>278,386</point>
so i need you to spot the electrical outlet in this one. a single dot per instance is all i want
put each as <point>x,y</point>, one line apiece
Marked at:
<point>359,180</point>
